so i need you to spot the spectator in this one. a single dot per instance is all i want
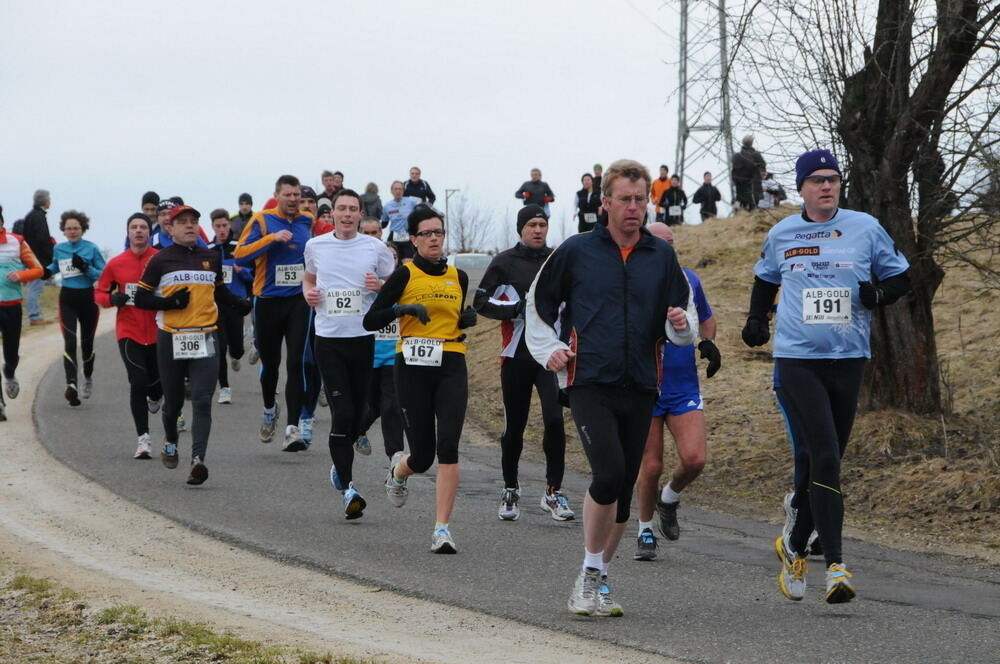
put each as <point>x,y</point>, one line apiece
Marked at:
<point>149,202</point>
<point>36,234</point>
<point>656,190</point>
<point>588,204</point>
<point>772,193</point>
<point>747,164</point>
<point>370,201</point>
<point>598,170</point>
<point>332,183</point>
<point>238,221</point>
<point>417,188</point>
<point>536,191</point>
<point>674,202</point>
<point>308,202</point>
<point>707,196</point>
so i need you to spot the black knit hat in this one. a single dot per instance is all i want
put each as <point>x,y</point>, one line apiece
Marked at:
<point>245,198</point>
<point>151,198</point>
<point>527,213</point>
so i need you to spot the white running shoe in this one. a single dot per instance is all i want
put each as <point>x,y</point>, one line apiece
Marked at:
<point>792,577</point>
<point>394,489</point>
<point>583,601</point>
<point>606,606</point>
<point>253,355</point>
<point>322,399</point>
<point>225,395</point>
<point>508,510</point>
<point>838,589</point>
<point>555,503</point>
<point>88,387</point>
<point>12,387</point>
<point>268,423</point>
<point>153,405</point>
<point>441,541</point>
<point>354,503</point>
<point>790,514</point>
<point>363,446</point>
<point>143,451</point>
<point>293,440</point>
<point>306,429</point>
<point>181,423</point>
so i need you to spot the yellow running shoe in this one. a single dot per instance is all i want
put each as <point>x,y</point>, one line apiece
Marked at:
<point>792,578</point>
<point>838,589</point>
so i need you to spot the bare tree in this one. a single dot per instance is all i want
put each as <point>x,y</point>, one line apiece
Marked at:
<point>470,227</point>
<point>907,96</point>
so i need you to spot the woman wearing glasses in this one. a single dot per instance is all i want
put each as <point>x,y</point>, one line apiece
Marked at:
<point>428,298</point>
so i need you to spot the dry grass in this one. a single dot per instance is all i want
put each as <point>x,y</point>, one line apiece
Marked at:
<point>924,481</point>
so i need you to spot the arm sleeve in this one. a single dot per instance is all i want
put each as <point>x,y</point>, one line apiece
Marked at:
<point>385,262</point>
<point>485,302</point>
<point>463,282</point>
<point>520,192</point>
<point>716,194</point>
<point>680,296</point>
<point>102,293</point>
<point>253,242</point>
<point>895,287</point>
<point>698,199</point>
<point>767,267</point>
<point>762,297</point>
<point>381,313</point>
<point>430,193</point>
<point>33,269</point>
<point>541,312</point>
<point>548,191</point>
<point>96,265</point>
<point>309,257</point>
<point>385,218</point>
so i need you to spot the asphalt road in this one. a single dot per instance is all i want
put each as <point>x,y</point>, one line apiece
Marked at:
<point>711,597</point>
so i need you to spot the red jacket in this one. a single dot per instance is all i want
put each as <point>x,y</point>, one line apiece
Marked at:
<point>121,274</point>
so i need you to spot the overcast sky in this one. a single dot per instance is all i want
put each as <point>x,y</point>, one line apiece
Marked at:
<point>101,101</point>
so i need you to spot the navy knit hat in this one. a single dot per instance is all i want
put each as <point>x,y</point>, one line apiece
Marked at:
<point>245,198</point>
<point>150,198</point>
<point>812,161</point>
<point>527,213</point>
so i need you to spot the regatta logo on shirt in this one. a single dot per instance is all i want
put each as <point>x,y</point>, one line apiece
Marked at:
<point>819,235</point>
<point>844,265</point>
<point>801,251</point>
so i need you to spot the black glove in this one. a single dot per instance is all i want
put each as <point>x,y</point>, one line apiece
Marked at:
<point>180,299</point>
<point>755,332</point>
<point>519,308</point>
<point>119,299</point>
<point>46,274</point>
<point>871,295</point>
<point>563,397</point>
<point>467,319</point>
<point>418,310</point>
<point>242,306</point>
<point>710,352</point>
<point>79,263</point>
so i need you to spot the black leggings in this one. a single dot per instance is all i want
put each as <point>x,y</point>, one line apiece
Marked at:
<point>613,423</point>
<point>821,398</point>
<point>143,380</point>
<point>10,329</point>
<point>230,341</point>
<point>346,366</point>
<point>517,379</point>
<point>382,403</point>
<point>76,305</point>
<point>202,374</point>
<point>432,401</point>
<point>277,319</point>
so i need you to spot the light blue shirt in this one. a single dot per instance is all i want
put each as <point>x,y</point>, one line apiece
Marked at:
<point>818,266</point>
<point>62,257</point>
<point>395,214</point>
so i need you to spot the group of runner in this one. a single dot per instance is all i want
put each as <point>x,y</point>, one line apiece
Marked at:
<point>605,324</point>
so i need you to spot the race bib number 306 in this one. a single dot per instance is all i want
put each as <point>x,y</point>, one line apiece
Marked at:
<point>423,352</point>
<point>826,305</point>
<point>193,345</point>
<point>289,275</point>
<point>343,302</point>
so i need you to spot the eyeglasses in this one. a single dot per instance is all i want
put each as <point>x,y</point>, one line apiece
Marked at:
<point>435,233</point>
<point>819,180</point>
<point>625,200</point>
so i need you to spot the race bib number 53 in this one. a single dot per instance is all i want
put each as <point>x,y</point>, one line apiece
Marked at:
<point>423,352</point>
<point>289,275</point>
<point>826,305</point>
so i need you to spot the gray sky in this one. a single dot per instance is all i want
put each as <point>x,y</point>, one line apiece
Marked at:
<point>101,101</point>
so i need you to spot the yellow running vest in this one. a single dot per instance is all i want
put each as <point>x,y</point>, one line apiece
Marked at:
<point>443,298</point>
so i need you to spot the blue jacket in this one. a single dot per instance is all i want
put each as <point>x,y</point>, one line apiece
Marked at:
<point>257,247</point>
<point>237,281</point>
<point>63,253</point>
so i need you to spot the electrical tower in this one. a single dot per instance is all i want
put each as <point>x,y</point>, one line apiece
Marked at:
<point>704,89</point>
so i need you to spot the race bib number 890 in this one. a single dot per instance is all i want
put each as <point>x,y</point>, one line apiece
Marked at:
<point>423,352</point>
<point>826,305</point>
<point>388,333</point>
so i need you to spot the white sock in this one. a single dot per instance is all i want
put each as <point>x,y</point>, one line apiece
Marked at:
<point>604,568</point>
<point>668,495</point>
<point>643,525</point>
<point>593,560</point>
<point>270,411</point>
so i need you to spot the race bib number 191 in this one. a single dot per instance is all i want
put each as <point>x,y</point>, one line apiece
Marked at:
<point>288,275</point>
<point>423,352</point>
<point>826,305</point>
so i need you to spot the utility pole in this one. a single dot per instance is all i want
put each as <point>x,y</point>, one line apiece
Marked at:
<point>448,193</point>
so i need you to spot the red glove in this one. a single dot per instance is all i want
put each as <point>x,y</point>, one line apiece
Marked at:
<point>526,195</point>
<point>547,199</point>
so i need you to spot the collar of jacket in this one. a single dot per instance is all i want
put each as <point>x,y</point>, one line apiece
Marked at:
<point>433,268</point>
<point>526,251</point>
<point>601,230</point>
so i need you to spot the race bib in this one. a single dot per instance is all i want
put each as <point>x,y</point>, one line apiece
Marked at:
<point>289,275</point>
<point>67,270</point>
<point>193,345</point>
<point>674,211</point>
<point>423,352</point>
<point>130,291</point>
<point>400,236</point>
<point>343,302</point>
<point>826,305</point>
<point>388,333</point>
<point>227,274</point>
<point>590,217</point>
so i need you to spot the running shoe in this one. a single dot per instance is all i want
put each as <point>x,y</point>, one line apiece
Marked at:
<point>607,607</point>
<point>322,399</point>
<point>815,548</point>
<point>72,396</point>
<point>3,413</point>
<point>335,479</point>
<point>199,472</point>
<point>182,424</point>
<point>838,589</point>
<point>509,511</point>
<point>225,395</point>
<point>790,514</point>
<point>253,355</point>
<point>293,440</point>
<point>234,364</point>
<point>142,450</point>
<point>669,527</point>
<point>583,601</point>
<point>394,489</point>
<point>363,446</point>
<point>169,455</point>
<point>267,425</point>
<point>441,541</point>
<point>645,545</point>
<point>88,387</point>
<point>555,503</point>
<point>306,429</point>
<point>354,504</point>
<point>153,405</point>
<point>792,578</point>
<point>13,388</point>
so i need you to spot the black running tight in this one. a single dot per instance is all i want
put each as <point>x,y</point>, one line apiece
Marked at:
<point>432,401</point>
<point>346,366</point>
<point>143,380</point>
<point>383,405</point>
<point>202,374</point>
<point>78,309</point>
<point>517,379</point>
<point>10,330</point>
<point>277,320</point>
<point>230,341</point>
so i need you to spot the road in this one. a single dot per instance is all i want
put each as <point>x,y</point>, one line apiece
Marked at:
<point>711,597</point>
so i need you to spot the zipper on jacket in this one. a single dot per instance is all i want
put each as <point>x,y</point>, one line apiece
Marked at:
<point>625,317</point>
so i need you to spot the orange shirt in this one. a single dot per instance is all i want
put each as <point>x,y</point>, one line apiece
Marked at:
<point>656,192</point>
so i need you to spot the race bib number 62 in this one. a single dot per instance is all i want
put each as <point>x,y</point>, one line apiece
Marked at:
<point>345,302</point>
<point>826,305</point>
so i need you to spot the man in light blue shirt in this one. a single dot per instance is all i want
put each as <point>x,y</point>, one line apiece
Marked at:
<point>394,215</point>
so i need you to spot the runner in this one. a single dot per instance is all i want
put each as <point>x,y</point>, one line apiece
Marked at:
<point>18,265</point>
<point>500,296</point>
<point>274,242</point>
<point>150,202</point>
<point>238,221</point>
<point>594,314</point>
<point>237,279</point>
<point>428,296</point>
<point>824,260</point>
<point>340,284</point>
<point>418,188</point>
<point>680,407</point>
<point>183,283</point>
<point>135,328</point>
<point>394,215</point>
<point>588,204</point>
<point>80,263</point>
